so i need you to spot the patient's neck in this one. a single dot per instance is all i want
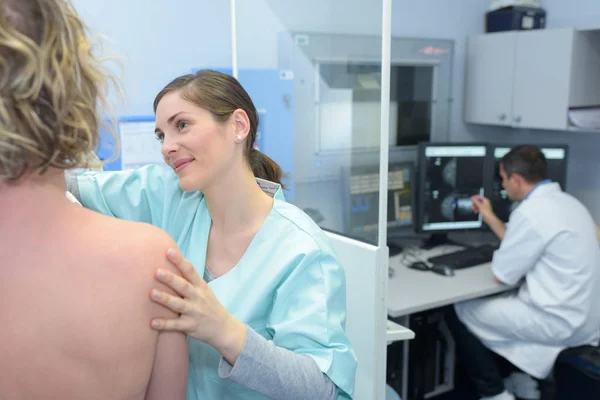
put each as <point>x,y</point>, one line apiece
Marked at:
<point>37,197</point>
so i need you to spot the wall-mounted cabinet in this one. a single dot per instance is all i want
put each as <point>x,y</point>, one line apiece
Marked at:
<point>531,79</point>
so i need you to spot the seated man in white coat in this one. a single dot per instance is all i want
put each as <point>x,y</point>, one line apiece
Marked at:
<point>550,249</point>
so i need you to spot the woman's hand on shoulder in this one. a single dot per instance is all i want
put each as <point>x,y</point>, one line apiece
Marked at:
<point>201,315</point>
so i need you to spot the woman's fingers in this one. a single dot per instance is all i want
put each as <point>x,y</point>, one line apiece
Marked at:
<point>185,267</point>
<point>177,283</point>
<point>173,303</point>
<point>177,324</point>
<point>176,304</point>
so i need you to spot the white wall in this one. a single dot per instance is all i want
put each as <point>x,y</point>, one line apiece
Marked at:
<point>159,40</point>
<point>330,16</point>
<point>257,32</point>
<point>562,14</point>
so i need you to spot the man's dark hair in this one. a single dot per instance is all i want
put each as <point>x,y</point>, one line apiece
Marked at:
<point>527,161</point>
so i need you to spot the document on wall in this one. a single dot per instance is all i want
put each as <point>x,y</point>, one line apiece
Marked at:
<point>139,145</point>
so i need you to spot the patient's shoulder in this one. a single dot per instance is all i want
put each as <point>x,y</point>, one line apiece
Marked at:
<point>136,235</point>
<point>134,251</point>
<point>141,237</point>
<point>126,243</point>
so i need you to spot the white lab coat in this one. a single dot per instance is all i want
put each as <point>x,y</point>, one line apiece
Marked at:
<point>551,243</point>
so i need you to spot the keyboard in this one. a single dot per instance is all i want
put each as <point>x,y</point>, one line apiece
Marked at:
<point>468,257</point>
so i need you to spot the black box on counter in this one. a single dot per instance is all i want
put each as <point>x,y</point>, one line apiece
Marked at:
<point>515,19</point>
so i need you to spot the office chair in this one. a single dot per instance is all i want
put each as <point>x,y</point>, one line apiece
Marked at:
<point>577,374</point>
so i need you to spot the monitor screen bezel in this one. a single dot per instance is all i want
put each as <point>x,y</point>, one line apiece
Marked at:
<point>420,210</point>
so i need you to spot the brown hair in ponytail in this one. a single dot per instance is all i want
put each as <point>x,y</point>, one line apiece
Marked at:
<point>221,95</point>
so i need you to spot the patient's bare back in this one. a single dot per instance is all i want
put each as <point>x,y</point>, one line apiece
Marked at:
<point>75,312</point>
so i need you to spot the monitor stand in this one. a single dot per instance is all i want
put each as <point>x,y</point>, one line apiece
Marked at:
<point>438,239</point>
<point>395,247</point>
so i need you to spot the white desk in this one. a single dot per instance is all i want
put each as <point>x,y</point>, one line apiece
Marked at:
<point>411,291</point>
<point>396,332</point>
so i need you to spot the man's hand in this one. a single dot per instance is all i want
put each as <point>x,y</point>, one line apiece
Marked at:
<point>482,205</point>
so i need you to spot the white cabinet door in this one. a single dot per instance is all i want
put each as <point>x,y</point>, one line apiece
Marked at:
<point>542,79</point>
<point>489,78</point>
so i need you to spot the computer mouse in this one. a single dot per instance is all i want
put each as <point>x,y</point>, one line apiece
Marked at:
<point>443,269</point>
<point>419,265</point>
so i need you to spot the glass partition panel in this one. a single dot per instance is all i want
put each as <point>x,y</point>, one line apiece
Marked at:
<point>316,66</point>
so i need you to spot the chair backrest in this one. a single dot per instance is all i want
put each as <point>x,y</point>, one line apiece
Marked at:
<point>586,359</point>
<point>577,373</point>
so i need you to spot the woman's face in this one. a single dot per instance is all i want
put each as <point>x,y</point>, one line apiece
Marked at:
<point>194,144</point>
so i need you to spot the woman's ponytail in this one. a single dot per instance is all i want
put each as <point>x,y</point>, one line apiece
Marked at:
<point>264,167</point>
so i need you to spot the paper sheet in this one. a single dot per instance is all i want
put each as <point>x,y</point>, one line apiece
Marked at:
<point>139,146</point>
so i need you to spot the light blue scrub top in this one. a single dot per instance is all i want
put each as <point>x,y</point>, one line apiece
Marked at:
<point>288,286</point>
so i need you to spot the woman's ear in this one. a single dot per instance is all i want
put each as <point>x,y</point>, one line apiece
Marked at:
<point>241,124</point>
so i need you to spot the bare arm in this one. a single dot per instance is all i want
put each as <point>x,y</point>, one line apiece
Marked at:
<point>483,206</point>
<point>495,224</point>
<point>170,370</point>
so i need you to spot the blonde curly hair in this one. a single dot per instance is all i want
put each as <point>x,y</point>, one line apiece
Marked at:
<point>50,87</point>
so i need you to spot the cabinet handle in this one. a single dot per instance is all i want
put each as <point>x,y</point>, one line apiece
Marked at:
<point>517,119</point>
<point>502,117</point>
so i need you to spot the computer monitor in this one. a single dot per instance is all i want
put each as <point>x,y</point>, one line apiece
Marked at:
<point>361,191</point>
<point>556,156</point>
<point>449,174</point>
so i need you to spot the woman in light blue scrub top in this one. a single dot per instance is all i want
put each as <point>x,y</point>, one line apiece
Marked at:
<point>272,272</point>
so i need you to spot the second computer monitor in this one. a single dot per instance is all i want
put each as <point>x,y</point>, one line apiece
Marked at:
<point>556,157</point>
<point>362,193</point>
<point>449,174</point>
